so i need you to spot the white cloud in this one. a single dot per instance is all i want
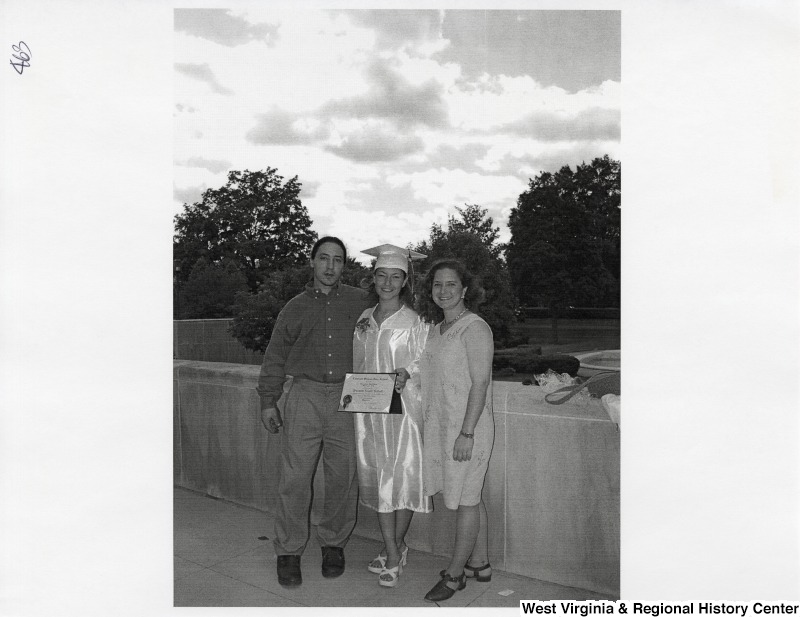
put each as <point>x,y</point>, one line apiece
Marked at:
<point>454,187</point>
<point>222,27</point>
<point>376,143</point>
<point>392,97</point>
<point>587,125</point>
<point>282,127</point>
<point>386,137</point>
<point>364,230</point>
<point>402,30</point>
<point>202,72</point>
<point>496,101</point>
<point>419,70</point>
<point>188,195</point>
<point>214,166</point>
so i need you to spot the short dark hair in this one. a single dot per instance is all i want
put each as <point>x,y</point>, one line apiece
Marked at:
<point>428,309</point>
<point>325,239</point>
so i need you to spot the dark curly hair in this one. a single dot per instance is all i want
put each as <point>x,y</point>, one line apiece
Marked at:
<point>428,309</point>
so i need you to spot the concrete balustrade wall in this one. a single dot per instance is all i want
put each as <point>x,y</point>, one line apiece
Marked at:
<point>209,340</point>
<point>552,489</point>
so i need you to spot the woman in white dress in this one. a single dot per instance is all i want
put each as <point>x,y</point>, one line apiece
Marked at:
<point>389,338</point>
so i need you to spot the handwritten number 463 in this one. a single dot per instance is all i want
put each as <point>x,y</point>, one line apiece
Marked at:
<point>22,57</point>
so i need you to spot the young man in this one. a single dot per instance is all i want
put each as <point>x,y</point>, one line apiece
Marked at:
<point>313,341</point>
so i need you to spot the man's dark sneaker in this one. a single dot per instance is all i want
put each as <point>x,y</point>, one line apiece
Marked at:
<point>289,570</point>
<point>332,561</point>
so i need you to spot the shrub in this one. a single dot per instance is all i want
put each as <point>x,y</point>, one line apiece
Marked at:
<point>532,363</point>
<point>533,312</point>
<point>210,291</point>
<point>254,318</point>
<point>515,340</point>
<point>557,363</point>
<point>516,356</point>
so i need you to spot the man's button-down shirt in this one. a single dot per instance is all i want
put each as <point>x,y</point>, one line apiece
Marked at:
<point>312,339</point>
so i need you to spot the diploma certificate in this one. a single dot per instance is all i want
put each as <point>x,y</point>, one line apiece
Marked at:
<point>370,393</point>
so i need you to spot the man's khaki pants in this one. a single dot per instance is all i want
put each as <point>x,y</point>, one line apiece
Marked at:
<point>312,425</point>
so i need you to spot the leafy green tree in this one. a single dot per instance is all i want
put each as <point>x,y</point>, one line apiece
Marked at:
<point>254,315</point>
<point>256,220</point>
<point>473,240</point>
<point>471,219</point>
<point>356,275</point>
<point>210,291</point>
<point>474,219</point>
<point>565,238</point>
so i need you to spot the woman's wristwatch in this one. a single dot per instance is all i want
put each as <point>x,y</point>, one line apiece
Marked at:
<point>467,435</point>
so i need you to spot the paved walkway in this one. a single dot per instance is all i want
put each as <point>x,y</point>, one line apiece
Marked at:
<point>223,557</point>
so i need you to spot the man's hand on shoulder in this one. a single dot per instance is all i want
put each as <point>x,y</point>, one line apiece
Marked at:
<point>271,419</point>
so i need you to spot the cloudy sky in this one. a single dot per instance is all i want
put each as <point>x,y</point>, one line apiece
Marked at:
<point>391,119</point>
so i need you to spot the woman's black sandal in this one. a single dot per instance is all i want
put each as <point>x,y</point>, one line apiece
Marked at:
<point>441,591</point>
<point>475,573</point>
